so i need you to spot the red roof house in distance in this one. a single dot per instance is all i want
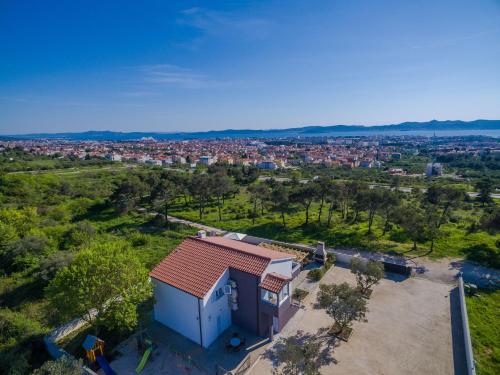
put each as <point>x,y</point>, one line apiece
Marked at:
<point>209,283</point>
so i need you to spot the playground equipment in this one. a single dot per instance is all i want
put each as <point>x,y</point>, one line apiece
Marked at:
<point>147,344</point>
<point>94,349</point>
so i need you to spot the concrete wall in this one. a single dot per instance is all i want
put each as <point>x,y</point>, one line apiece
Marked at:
<point>391,263</point>
<point>471,367</point>
<point>283,267</point>
<point>213,309</point>
<point>177,310</point>
<point>248,298</point>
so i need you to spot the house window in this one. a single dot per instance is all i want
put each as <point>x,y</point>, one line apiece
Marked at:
<point>269,297</point>
<point>284,292</point>
<point>219,293</point>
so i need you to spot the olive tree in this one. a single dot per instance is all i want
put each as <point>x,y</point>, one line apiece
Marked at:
<point>344,303</point>
<point>367,275</point>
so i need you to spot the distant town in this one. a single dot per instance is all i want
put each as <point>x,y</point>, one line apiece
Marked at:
<point>266,153</point>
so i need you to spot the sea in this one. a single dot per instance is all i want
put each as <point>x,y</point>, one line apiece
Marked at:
<point>495,133</point>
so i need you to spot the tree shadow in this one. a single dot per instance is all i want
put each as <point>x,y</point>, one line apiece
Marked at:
<point>27,292</point>
<point>322,357</point>
<point>269,230</point>
<point>483,254</point>
<point>97,212</point>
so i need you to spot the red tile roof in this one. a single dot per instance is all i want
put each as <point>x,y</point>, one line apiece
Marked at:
<point>197,263</point>
<point>249,248</point>
<point>274,282</point>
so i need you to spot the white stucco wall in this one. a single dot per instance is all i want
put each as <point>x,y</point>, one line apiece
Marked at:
<point>211,309</point>
<point>283,267</point>
<point>177,310</point>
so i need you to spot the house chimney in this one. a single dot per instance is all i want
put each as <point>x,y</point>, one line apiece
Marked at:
<point>201,234</point>
<point>320,253</point>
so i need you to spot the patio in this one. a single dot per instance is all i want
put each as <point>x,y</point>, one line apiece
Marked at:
<point>176,354</point>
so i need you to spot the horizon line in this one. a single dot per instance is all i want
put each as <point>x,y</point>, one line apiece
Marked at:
<point>241,130</point>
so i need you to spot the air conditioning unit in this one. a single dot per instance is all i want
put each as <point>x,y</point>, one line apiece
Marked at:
<point>227,289</point>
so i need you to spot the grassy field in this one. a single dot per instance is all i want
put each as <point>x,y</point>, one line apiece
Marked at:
<point>483,311</point>
<point>237,216</point>
<point>51,206</point>
<point>23,299</point>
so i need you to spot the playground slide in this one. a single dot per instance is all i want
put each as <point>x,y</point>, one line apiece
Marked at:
<point>105,365</point>
<point>144,359</point>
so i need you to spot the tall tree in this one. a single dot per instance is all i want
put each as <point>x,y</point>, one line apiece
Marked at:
<point>128,193</point>
<point>348,193</point>
<point>432,223</point>
<point>281,201</point>
<point>104,284</point>
<point>221,185</point>
<point>485,187</point>
<point>373,201</point>
<point>323,189</point>
<point>412,220</point>
<point>360,200</point>
<point>258,193</point>
<point>201,190</point>
<point>164,194</point>
<point>304,194</point>
<point>333,197</point>
<point>445,198</point>
<point>388,209</point>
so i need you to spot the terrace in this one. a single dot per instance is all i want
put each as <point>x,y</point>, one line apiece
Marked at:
<point>175,354</point>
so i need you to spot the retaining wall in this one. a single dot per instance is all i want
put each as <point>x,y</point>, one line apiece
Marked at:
<point>471,367</point>
<point>344,256</point>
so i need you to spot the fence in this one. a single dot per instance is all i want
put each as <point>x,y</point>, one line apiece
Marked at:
<point>241,369</point>
<point>471,367</point>
<point>61,332</point>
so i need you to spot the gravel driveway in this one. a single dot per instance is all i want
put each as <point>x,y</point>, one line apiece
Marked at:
<point>409,329</point>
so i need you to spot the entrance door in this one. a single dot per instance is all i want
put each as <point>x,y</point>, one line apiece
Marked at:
<point>276,326</point>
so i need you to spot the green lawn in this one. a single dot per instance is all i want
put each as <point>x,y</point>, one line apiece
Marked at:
<point>483,311</point>
<point>237,213</point>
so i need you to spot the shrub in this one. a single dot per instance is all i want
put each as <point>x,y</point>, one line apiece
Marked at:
<point>138,239</point>
<point>316,274</point>
<point>81,234</point>
<point>63,366</point>
<point>299,294</point>
<point>20,342</point>
<point>23,253</point>
<point>49,266</point>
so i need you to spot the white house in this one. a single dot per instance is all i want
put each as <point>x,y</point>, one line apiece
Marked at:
<point>209,283</point>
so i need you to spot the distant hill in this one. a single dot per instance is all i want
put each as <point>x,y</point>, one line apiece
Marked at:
<point>306,131</point>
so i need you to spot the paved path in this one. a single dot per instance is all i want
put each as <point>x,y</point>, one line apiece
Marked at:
<point>446,270</point>
<point>193,224</point>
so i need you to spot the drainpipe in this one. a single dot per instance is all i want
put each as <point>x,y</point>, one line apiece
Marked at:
<point>199,319</point>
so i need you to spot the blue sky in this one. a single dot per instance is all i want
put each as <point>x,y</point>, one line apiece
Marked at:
<point>72,65</point>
